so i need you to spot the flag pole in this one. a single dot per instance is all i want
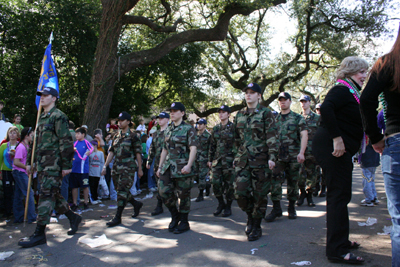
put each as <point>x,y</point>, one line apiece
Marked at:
<point>32,167</point>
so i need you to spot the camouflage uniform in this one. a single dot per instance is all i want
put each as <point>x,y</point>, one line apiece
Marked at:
<point>54,153</point>
<point>289,128</point>
<point>256,142</point>
<point>309,172</point>
<point>178,140</point>
<point>156,149</point>
<point>202,159</point>
<point>221,155</point>
<point>125,146</point>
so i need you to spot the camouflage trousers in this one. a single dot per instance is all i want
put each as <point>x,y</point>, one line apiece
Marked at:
<point>50,198</point>
<point>222,178</point>
<point>201,177</point>
<point>173,189</point>
<point>320,176</point>
<point>308,175</point>
<point>123,183</point>
<point>251,189</point>
<point>290,171</point>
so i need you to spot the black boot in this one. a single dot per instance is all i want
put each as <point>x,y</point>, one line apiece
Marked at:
<point>208,186</point>
<point>250,223</point>
<point>276,211</point>
<point>200,196</point>
<point>159,208</point>
<point>322,193</point>
<point>74,221</point>
<point>183,225</point>
<point>221,206</point>
<point>310,200</point>
<point>256,232</point>
<point>317,187</point>
<point>303,195</point>
<point>137,205</point>
<point>291,210</point>
<point>38,238</point>
<point>117,218</point>
<point>174,219</point>
<point>227,209</point>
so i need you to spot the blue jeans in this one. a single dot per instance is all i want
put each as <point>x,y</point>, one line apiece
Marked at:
<point>369,184</point>
<point>150,179</point>
<point>21,189</point>
<point>113,192</point>
<point>65,186</point>
<point>391,174</point>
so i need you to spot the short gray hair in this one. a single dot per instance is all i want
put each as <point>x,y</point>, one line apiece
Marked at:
<point>351,66</point>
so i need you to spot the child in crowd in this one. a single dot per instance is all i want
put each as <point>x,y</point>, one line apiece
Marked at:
<point>369,161</point>
<point>96,163</point>
<point>17,122</point>
<point>21,179</point>
<point>141,127</point>
<point>79,177</point>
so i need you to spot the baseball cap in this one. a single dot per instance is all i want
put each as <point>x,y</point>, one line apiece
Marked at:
<point>163,115</point>
<point>318,105</point>
<point>305,98</point>
<point>124,116</point>
<point>284,95</point>
<point>177,106</point>
<point>253,86</point>
<point>202,121</point>
<point>94,143</point>
<point>225,108</point>
<point>48,91</point>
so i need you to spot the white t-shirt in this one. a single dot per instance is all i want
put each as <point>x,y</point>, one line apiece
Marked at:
<point>141,128</point>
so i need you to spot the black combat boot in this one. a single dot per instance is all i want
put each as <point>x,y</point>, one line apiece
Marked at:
<point>137,205</point>
<point>174,219</point>
<point>256,232</point>
<point>38,238</point>
<point>322,193</point>
<point>208,186</point>
<point>117,218</point>
<point>310,200</point>
<point>275,212</point>
<point>159,208</point>
<point>200,196</point>
<point>303,195</point>
<point>291,210</point>
<point>227,209</point>
<point>250,223</point>
<point>74,221</point>
<point>183,225</point>
<point>221,206</point>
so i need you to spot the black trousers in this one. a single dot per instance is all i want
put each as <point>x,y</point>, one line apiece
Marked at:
<point>338,175</point>
<point>8,188</point>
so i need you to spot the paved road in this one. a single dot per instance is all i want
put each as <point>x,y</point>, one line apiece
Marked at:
<point>212,241</point>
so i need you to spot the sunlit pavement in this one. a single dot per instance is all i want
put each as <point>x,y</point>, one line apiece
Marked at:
<point>212,241</point>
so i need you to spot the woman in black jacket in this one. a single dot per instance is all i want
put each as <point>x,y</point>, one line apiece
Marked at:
<point>334,144</point>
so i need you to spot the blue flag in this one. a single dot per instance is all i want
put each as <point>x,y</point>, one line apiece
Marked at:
<point>48,74</point>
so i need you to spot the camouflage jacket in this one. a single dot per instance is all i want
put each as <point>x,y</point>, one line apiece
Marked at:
<point>221,146</point>
<point>156,148</point>
<point>54,145</point>
<point>178,140</point>
<point>125,147</point>
<point>289,128</point>
<point>203,147</point>
<point>256,137</point>
<point>312,121</point>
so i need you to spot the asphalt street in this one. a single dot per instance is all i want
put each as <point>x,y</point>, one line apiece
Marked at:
<point>212,241</point>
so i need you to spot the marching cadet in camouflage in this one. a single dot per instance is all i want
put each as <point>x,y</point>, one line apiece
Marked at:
<point>53,160</point>
<point>308,171</point>
<point>155,153</point>
<point>202,158</point>
<point>175,171</point>
<point>321,184</point>
<point>293,135</point>
<point>127,149</point>
<point>256,147</point>
<point>221,158</point>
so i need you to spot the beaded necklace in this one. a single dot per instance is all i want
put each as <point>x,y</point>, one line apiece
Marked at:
<point>352,88</point>
<point>89,146</point>
<point>384,105</point>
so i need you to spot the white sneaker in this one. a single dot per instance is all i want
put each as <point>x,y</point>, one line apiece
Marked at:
<point>375,201</point>
<point>95,202</point>
<point>153,189</point>
<point>367,204</point>
<point>139,191</point>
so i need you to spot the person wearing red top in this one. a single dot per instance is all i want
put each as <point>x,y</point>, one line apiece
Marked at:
<point>151,124</point>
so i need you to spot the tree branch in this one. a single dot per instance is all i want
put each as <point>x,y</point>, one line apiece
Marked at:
<point>128,19</point>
